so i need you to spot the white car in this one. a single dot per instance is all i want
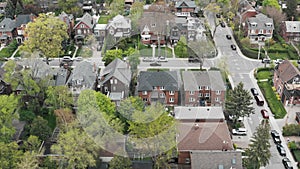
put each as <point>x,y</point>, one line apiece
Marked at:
<point>239,131</point>
<point>148,59</point>
<point>162,59</point>
<point>278,61</point>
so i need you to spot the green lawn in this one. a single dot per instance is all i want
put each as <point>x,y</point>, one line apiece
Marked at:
<point>296,155</point>
<point>264,73</point>
<point>104,19</point>
<point>163,52</point>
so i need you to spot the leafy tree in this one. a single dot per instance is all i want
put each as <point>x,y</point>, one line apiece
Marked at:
<point>116,7</point>
<point>32,144</point>
<point>133,59</point>
<point>129,106</point>
<point>291,9</point>
<point>181,47</point>
<point>70,7</point>
<point>59,97</point>
<point>8,106</point>
<point>277,16</point>
<point>9,155</point>
<point>259,149</point>
<point>272,3</point>
<point>119,162</point>
<point>78,148</point>
<point>39,39</point>
<point>26,115</point>
<point>10,74</point>
<point>136,10</point>
<point>40,128</point>
<point>238,103</point>
<point>111,55</point>
<point>13,8</point>
<point>28,161</point>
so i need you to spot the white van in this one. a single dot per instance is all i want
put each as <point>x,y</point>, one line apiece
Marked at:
<point>239,131</point>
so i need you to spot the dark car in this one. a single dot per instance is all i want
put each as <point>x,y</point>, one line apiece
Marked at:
<point>254,91</point>
<point>228,36</point>
<point>265,113</point>
<point>287,163</point>
<point>218,15</point>
<point>298,61</point>
<point>276,137</point>
<point>193,59</point>
<point>281,150</point>
<point>233,47</point>
<point>222,24</point>
<point>266,60</point>
<point>155,64</point>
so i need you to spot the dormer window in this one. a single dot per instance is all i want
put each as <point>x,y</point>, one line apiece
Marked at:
<point>162,87</point>
<point>253,24</point>
<point>153,25</point>
<point>268,24</point>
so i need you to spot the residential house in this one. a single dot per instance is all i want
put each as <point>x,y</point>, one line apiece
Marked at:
<point>154,30</point>
<point>185,8</point>
<point>161,86</point>
<point>286,81</point>
<point>84,27</point>
<point>61,76</point>
<point>246,10</point>
<point>290,31</point>
<point>2,7</point>
<point>119,27</point>
<point>82,77</point>
<point>178,29</point>
<point>114,80</point>
<point>195,29</point>
<point>199,114</point>
<point>5,88</point>
<point>87,6</point>
<point>259,28</point>
<point>203,88</point>
<point>69,20</point>
<point>7,31</point>
<point>21,23</point>
<point>100,32</point>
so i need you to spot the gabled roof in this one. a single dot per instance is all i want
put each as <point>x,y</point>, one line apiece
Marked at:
<point>286,71</point>
<point>7,25</point>
<point>84,72</point>
<point>23,19</point>
<point>118,69</point>
<point>119,21</point>
<point>292,26</point>
<point>201,113</point>
<point>193,79</point>
<point>168,79</point>
<point>86,19</point>
<point>188,3</point>
<point>261,20</point>
<point>204,136</point>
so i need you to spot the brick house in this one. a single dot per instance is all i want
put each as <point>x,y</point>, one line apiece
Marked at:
<point>69,20</point>
<point>114,80</point>
<point>203,88</point>
<point>161,86</point>
<point>21,23</point>
<point>84,27</point>
<point>286,81</point>
<point>185,8</point>
<point>290,31</point>
<point>7,31</point>
<point>259,28</point>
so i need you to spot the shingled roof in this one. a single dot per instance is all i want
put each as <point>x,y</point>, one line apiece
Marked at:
<point>7,25</point>
<point>286,71</point>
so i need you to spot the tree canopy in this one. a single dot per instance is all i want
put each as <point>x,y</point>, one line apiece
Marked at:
<point>111,55</point>
<point>120,162</point>
<point>40,128</point>
<point>70,7</point>
<point>38,36</point>
<point>59,97</point>
<point>10,155</point>
<point>271,3</point>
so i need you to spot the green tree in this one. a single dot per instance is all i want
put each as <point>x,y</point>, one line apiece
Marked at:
<point>28,161</point>
<point>272,3</point>
<point>238,103</point>
<point>78,148</point>
<point>291,11</point>
<point>10,75</point>
<point>277,15</point>
<point>119,162</point>
<point>39,39</point>
<point>111,55</point>
<point>9,155</point>
<point>59,97</point>
<point>181,47</point>
<point>129,105</point>
<point>259,149</point>
<point>40,128</point>
<point>70,7</point>
<point>13,8</point>
<point>116,7</point>
<point>136,10</point>
<point>133,58</point>
<point>32,144</point>
<point>8,106</point>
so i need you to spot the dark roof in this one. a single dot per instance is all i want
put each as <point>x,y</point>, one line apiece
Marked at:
<point>23,19</point>
<point>286,71</point>
<point>150,21</point>
<point>86,19</point>
<point>261,20</point>
<point>61,76</point>
<point>168,79</point>
<point>189,4</point>
<point>7,25</point>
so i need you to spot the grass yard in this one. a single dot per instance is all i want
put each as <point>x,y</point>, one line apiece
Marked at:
<point>264,73</point>
<point>104,19</point>
<point>147,52</point>
<point>296,154</point>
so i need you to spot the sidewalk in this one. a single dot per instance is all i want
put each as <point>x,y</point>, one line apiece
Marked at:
<point>290,117</point>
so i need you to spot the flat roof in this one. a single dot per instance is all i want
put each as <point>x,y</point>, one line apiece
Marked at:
<point>189,113</point>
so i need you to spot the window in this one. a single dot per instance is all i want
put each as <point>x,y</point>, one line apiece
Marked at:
<point>201,95</point>
<point>207,88</point>
<point>162,87</point>
<point>217,99</point>
<point>116,81</point>
<point>144,92</point>
<point>218,92</point>
<point>82,26</point>
<point>145,99</point>
<point>114,88</point>
<point>154,87</point>
<point>171,92</point>
<point>111,81</point>
<point>161,95</point>
<point>207,95</point>
<point>106,89</point>
<point>200,87</point>
<point>171,99</point>
<point>153,25</point>
<point>192,92</point>
<point>192,99</point>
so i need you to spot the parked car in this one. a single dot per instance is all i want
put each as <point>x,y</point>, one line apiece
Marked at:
<point>266,60</point>
<point>231,117</point>
<point>67,59</point>
<point>148,59</point>
<point>287,163</point>
<point>233,47</point>
<point>278,61</point>
<point>265,113</point>
<point>276,137</point>
<point>78,59</point>
<point>155,64</point>
<point>228,36</point>
<point>193,59</point>
<point>239,131</point>
<point>162,59</point>
<point>298,61</point>
<point>222,24</point>
<point>254,91</point>
<point>281,150</point>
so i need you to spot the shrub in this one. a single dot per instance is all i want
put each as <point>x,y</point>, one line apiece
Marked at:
<point>292,145</point>
<point>291,130</point>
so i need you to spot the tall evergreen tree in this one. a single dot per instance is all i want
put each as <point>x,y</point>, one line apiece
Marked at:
<point>259,149</point>
<point>238,103</point>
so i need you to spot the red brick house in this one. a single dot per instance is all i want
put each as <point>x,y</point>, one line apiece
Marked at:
<point>162,86</point>
<point>84,27</point>
<point>7,31</point>
<point>290,31</point>
<point>21,23</point>
<point>185,8</point>
<point>286,81</point>
<point>203,88</point>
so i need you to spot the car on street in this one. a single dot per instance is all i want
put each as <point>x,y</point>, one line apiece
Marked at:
<point>162,59</point>
<point>287,163</point>
<point>276,137</point>
<point>78,59</point>
<point>265,113</point>
<point>67,59</point>
<point>233,47</point>
<point>228,36</point>
<point>254,91</point>
<point>239,131</point>
<point>281,150</point>
<point>193,59</point>
<point>148,59</point>
<point>155,64</point>
<point>222,24</point>
<point>266,60</point>
<point>278,61</point>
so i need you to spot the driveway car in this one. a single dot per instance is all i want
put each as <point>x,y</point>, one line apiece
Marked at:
<point>287,163</point>
<point>278,61</point>
<point>155,64</point>
<point>265,113</point>
<point>228,36</point>
<point>266,60</point>
<point>254,91</point>
<point>276,137</point>
<point>233,47</point>
<point>281,150</point>
<point>239,131</point>
<point>148,59</point>
<point>162,59</point>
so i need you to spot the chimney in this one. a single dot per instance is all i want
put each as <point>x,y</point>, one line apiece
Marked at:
<point>292,18</point>
<point>196,126</point>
